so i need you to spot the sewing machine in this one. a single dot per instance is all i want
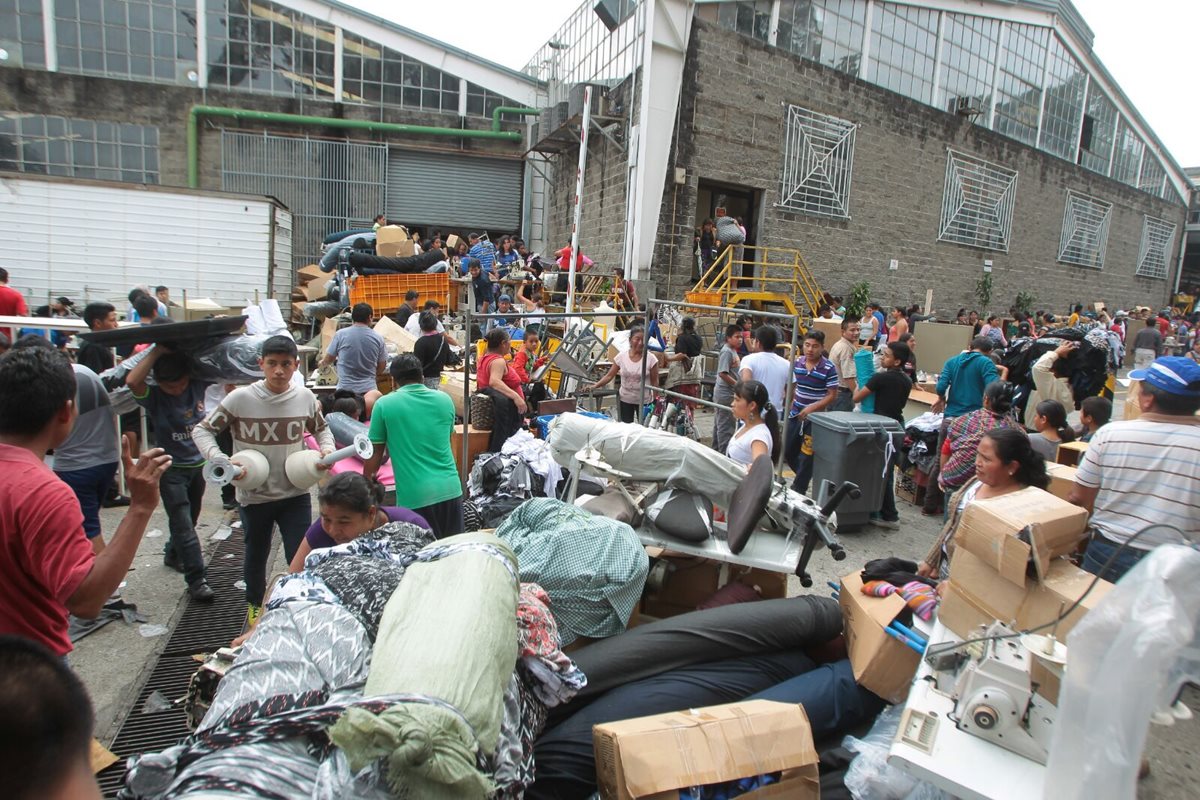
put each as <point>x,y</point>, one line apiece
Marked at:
<point>993,691</point>
<point>973,723</point>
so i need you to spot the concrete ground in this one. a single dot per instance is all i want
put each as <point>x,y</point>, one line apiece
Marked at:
<point>115,661</point>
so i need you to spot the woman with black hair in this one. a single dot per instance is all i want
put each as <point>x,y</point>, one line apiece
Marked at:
<point>963,435</point>
<point>1005,462</point>
<point>632,394</point>
<point>350,505</point>
<point>1050,422</point>
<point>758,431</point>
<point>681,376</point>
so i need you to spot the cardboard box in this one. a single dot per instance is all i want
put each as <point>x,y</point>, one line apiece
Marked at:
<point>477,442</point>
<point>976,595</point>
<point>1005,532</point>
<point>831,329</point>
<point>315,291</point>
<point>311,273</point>
<point>1071,453</point>
<point>452,243</point>
<point>880,663</point>
<point>652,758</point>
<point>692,580</point>
<point>1062,480</point>
<point>391,233</point>
<point>401,249</point>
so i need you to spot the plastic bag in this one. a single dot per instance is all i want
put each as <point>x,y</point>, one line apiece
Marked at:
<point>870,777</point>
<point>233,359</point>
<point>1128,658</point>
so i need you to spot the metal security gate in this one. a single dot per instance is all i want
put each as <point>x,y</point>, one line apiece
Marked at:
<point>328,185</point>
<point>451,190</point>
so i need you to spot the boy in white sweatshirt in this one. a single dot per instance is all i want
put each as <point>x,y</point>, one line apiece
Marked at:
<point>270,416</point>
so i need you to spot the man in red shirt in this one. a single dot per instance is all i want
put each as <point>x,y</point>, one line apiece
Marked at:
<point>12,304</point>
<point>47,567</point>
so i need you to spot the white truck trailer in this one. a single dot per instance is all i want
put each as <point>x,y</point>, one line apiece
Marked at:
<point>95,240</point>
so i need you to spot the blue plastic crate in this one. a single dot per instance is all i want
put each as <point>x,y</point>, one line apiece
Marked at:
<point>543,422</point>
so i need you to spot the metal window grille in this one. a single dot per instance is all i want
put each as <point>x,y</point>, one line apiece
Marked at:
<point>818,159</point>
<point>1154,255</point>
<point>1084,231</point>
<point>328,185</point>
<point>977,203</point>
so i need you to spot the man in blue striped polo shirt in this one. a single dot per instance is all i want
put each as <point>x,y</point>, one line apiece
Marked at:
<point>816,382</point>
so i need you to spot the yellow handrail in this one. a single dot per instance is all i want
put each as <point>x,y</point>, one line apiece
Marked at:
<point>775,270</point>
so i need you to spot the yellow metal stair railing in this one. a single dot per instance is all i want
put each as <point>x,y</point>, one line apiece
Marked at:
<point>778,275</point>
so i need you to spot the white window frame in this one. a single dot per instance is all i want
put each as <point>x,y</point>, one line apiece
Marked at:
<point>978,194</point>
<point>1086,220</point>
<point>1154,253</point>
<point>818,163</point>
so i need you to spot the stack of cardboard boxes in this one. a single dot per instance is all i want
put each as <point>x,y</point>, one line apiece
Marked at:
<point>990,574</point>
<point>310,288</point>
<point>1009,564</point>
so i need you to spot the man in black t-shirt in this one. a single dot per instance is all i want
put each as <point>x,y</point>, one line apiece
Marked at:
<point>408,307</point>
<point>891,388</point>
<point>97,357</point>
<point>432,350</point>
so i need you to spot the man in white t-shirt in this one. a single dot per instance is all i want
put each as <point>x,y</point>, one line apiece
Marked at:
<point>767,367</point>
<point>1141,477</point>
<point>413,325</point>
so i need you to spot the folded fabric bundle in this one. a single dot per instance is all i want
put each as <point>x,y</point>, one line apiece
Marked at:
<point>447,633</point>
<point>897,571</point>
<point>554,677</point>
<point>300,647</point>
<point>362,585</point>
<point>566,766</point>
<point>419,263</point>
<point>593,569</point>
<point>920,596</point>
<point>524,721</point>
<point>728,631</point>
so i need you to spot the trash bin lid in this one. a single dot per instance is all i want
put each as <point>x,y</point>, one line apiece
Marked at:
<point>853,422</point>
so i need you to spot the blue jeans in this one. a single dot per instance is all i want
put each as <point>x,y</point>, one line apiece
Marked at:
<point>90,485</point>
<point>182,492</point>
<point>1101,549</point>
<point>293,515</point>
<point>801,463</point>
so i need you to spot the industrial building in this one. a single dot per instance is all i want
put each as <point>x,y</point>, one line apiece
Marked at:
<point>909,145</point>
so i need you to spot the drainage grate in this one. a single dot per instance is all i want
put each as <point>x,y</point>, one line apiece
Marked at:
<point>201,629</point>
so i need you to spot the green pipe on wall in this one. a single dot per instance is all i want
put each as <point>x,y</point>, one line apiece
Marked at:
<point>196,112</point>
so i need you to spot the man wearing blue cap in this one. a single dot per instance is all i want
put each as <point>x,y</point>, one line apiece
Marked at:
<point>1144,473</point>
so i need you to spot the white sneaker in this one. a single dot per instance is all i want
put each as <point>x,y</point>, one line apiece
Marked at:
<point>1180,711</point>
<point>1164,718</point>
<point>889,524</point>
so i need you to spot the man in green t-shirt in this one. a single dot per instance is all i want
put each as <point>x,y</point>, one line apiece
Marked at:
<point>413,425</point>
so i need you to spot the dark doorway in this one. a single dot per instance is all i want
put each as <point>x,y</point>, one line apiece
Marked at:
<point>738,201</point>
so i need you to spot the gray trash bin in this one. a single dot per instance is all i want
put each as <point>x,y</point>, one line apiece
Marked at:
<point>852,447</point>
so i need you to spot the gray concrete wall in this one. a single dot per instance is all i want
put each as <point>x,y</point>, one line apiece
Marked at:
<point>732,121</point>
<point>111,100</point>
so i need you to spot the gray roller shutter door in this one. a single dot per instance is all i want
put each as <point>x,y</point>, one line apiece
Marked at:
<point>449,189</point>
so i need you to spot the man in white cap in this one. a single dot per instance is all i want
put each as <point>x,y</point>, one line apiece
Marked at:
<point>1141,477</point>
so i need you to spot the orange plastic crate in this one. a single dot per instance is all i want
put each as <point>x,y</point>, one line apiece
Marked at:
<point>385,293</point>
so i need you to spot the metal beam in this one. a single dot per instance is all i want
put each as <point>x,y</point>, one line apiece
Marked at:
<point>663,57</point>
<point>495,78</point>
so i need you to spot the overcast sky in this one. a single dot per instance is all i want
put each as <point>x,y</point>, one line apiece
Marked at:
<point>1149,46</point>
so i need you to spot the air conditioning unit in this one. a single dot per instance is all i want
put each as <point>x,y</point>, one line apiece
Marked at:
<point>575,99</point>
<point>967,106</point>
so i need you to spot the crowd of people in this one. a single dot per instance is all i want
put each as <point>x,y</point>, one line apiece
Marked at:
<point>58,562</point>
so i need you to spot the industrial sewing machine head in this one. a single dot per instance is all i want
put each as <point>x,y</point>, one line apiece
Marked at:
<point>994,695</point>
